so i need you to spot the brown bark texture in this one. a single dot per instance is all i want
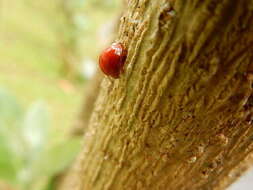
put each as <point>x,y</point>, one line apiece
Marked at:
<point>180,116</point>
<point>93,88</point>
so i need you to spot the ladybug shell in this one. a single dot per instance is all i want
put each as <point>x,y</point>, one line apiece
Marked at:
<point>112,59</point>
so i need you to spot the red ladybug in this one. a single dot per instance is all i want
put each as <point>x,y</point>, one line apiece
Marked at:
<point>112,59</point>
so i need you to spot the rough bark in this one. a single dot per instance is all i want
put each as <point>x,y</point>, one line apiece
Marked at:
<point>180,117</point>
<point>237,171</point>
<point>93,86</point>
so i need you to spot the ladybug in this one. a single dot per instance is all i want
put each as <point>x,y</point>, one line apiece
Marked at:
<point>112,59</point>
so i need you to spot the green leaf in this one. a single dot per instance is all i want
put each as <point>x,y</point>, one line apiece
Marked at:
<point>56,158</point>
<point>36,127</point>
<point>51,185</point>
<point>10,110</point>
<point>10,146</point>
<point>7,170</point>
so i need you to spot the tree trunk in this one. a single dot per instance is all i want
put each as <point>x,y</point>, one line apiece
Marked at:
<point>180,116</point>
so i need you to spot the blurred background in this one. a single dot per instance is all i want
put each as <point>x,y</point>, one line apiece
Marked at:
<point>48,54</point>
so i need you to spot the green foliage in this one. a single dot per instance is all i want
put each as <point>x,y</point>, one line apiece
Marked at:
<point>7,169</point>
<point>10,115</point>
<point>32,146</point>
<point>27,159</point>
